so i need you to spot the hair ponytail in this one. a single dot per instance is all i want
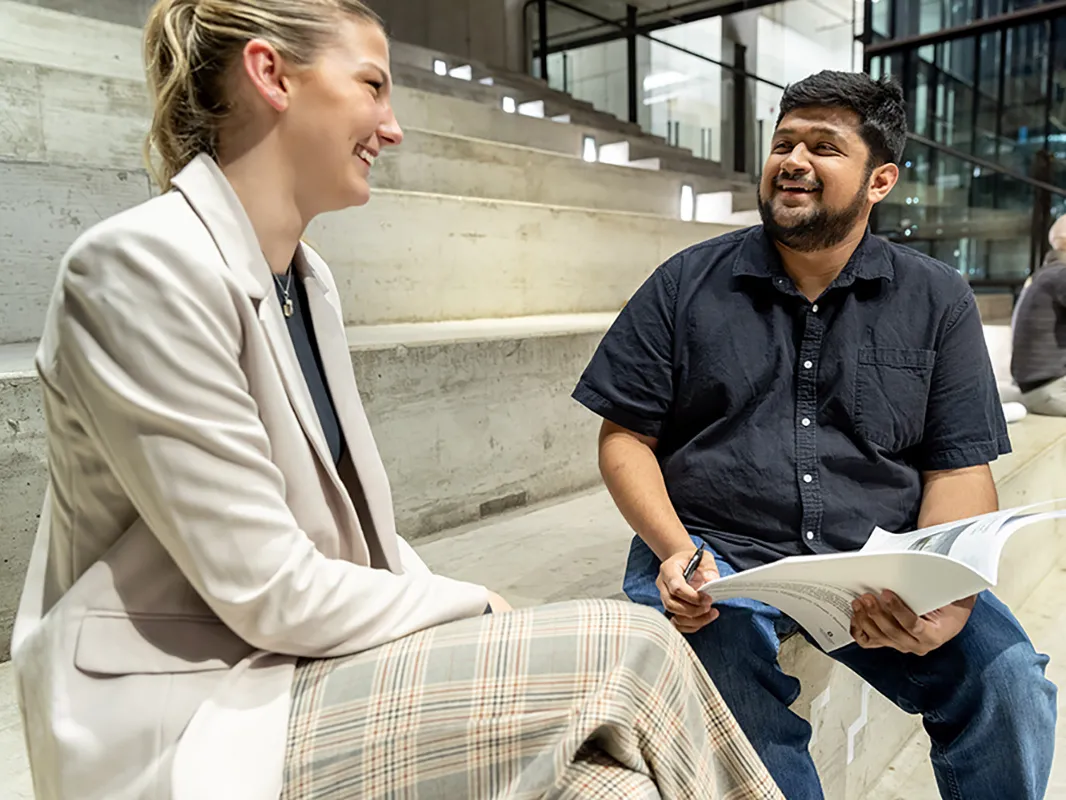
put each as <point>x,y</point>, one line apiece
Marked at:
<point>190,46</point>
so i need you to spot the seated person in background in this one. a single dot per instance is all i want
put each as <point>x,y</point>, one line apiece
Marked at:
<point>217,604</point>
<point>780,391</point>
<point>1038,360</point>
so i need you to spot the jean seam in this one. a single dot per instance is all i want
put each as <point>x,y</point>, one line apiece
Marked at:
<point>949,769</point>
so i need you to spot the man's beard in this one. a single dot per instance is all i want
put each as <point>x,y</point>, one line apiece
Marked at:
<point>821,229</point>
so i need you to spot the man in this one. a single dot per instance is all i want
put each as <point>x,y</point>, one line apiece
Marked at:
<point>1038,361</point>
<point>780,391</point>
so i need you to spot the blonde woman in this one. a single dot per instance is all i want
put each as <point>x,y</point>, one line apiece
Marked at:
<point>218,605</point>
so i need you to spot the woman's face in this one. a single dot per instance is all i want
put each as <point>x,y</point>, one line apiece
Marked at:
<point>338,117</point>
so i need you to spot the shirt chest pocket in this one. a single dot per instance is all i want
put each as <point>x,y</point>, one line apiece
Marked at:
<point>891,394</point>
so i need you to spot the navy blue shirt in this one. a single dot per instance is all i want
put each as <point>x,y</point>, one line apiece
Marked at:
<point>302,332</point>
<point>787,427</point>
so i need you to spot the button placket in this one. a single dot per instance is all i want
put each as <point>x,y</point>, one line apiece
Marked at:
<point>807,432</point>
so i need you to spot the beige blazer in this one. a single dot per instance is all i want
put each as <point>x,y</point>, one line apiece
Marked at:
<point>196,537</point>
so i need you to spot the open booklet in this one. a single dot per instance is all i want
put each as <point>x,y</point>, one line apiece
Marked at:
<point>927,569</point>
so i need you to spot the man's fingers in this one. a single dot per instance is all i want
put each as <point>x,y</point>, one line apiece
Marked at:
<point>693,624</point>
<point>865,634</point>
<point>680,608</point>
<point>679,587</point>
<point>884,623</point>
<point>907,619</point>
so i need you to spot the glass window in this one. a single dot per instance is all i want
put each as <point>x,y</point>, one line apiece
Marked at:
<point>1024,117</point>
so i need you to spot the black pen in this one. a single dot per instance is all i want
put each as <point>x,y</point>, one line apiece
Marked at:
<point>690,567</point>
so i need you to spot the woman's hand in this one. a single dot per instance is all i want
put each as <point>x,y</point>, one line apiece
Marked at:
<point>498,604</point>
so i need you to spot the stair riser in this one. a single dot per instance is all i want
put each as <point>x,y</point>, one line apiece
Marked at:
<point>423,258</point>
<point>71,118</point>
<point>460,427</point>
<point>404,257</point>
<point>43,209</point>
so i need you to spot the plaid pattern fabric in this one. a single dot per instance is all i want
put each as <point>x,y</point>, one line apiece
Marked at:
<point>588,699</point>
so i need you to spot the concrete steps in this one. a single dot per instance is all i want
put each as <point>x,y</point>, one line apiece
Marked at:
<point>477,282</point>
<point>64,117</point>
<point>470,417</point>
<point>43,37</point>
<point>407,256</point>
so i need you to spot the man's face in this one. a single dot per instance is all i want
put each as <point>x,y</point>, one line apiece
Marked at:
<point>816,185</point>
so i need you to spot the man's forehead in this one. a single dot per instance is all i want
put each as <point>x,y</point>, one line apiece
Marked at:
<point>842,122</point>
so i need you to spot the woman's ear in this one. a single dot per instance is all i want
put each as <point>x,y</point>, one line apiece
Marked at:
<point>263,66</point>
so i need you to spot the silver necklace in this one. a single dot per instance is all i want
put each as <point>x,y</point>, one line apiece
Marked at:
<point>286,307</point>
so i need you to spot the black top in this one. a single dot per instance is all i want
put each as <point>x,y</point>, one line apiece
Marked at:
<point>786,427</point>
<point>302,332</point>
<point>1040,328</point>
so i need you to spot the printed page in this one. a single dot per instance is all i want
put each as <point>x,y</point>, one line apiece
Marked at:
<point>976,542</point>
<point>817,591</point>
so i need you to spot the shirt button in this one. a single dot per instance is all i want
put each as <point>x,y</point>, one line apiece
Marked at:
<point>805,422</point>
<point>808,364</point>
<point>814,308</point>
<point>807,479</point>
<point>810,534</point>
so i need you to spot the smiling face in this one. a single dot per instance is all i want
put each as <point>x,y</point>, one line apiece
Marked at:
<point>818,183</point>
<point>338,117</point>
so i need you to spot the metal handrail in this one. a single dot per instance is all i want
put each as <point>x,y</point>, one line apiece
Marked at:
<point>986,164</point>
<point>605,21</point>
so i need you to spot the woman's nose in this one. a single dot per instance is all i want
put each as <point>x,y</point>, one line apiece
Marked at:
<point>389,132</point>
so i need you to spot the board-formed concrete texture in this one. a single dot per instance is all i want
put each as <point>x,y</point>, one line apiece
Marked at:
<point>43,209</point>
<point>407,256</point>
<point>411,257</point>
<point>470,419</point>
<point>66,117</point>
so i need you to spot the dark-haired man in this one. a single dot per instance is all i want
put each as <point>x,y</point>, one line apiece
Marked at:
<point>780,391</point>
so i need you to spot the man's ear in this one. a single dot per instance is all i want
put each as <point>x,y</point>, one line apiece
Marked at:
<point>882,181</point>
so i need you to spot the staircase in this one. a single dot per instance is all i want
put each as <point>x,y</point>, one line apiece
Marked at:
<point>476,284</point>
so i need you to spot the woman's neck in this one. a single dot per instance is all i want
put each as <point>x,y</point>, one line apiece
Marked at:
<point>266,191</point>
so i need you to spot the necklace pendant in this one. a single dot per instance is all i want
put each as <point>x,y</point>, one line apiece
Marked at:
<point>287,307</point>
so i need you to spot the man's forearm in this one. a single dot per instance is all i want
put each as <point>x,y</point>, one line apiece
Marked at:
<point>957,494</point>
<point>635,481</point>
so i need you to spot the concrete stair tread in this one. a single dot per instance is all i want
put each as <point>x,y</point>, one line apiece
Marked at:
<point>17,360</point>
<point>23,39</point>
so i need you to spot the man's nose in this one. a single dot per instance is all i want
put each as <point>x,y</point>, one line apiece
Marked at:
<point>796,161</point>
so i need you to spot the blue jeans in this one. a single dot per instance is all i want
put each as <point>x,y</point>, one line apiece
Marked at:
<point>986,704</point>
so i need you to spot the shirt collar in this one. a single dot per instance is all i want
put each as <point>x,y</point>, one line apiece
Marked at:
<point>758,258</point>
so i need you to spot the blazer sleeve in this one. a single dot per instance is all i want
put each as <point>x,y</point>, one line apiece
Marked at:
<point>150,343</point>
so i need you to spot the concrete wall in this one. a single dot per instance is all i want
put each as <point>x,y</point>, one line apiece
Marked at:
<point>489,31</point>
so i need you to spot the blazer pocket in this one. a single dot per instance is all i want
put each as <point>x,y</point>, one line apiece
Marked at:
<point>891,394</point>
<point>112,643</point>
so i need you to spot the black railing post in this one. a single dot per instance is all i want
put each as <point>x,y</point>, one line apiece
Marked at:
<point>542,33</point>
<point>740,108</point>
<point>631,61</point>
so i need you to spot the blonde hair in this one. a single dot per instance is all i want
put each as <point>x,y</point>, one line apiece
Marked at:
<point>189,46</point>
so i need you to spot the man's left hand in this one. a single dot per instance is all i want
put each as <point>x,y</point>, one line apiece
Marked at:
<point>886,621</point>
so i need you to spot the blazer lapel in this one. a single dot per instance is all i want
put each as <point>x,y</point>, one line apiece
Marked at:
<point>209,192</point>
<point>337,364</point>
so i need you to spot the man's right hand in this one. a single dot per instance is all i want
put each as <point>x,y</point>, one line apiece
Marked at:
<point>692,610</point>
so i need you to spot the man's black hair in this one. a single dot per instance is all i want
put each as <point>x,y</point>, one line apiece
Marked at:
<point>879,105</point>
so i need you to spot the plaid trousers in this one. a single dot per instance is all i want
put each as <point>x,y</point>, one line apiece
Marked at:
<point>592,699</point>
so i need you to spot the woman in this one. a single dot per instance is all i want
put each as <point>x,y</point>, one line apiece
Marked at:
<point>218,605</point>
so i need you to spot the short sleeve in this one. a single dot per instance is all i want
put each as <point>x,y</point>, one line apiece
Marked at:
<point>964,423</point>
<point>629,380</point>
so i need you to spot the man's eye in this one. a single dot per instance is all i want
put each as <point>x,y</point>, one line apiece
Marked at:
<point>377,86</point>
<point>782,147</point>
